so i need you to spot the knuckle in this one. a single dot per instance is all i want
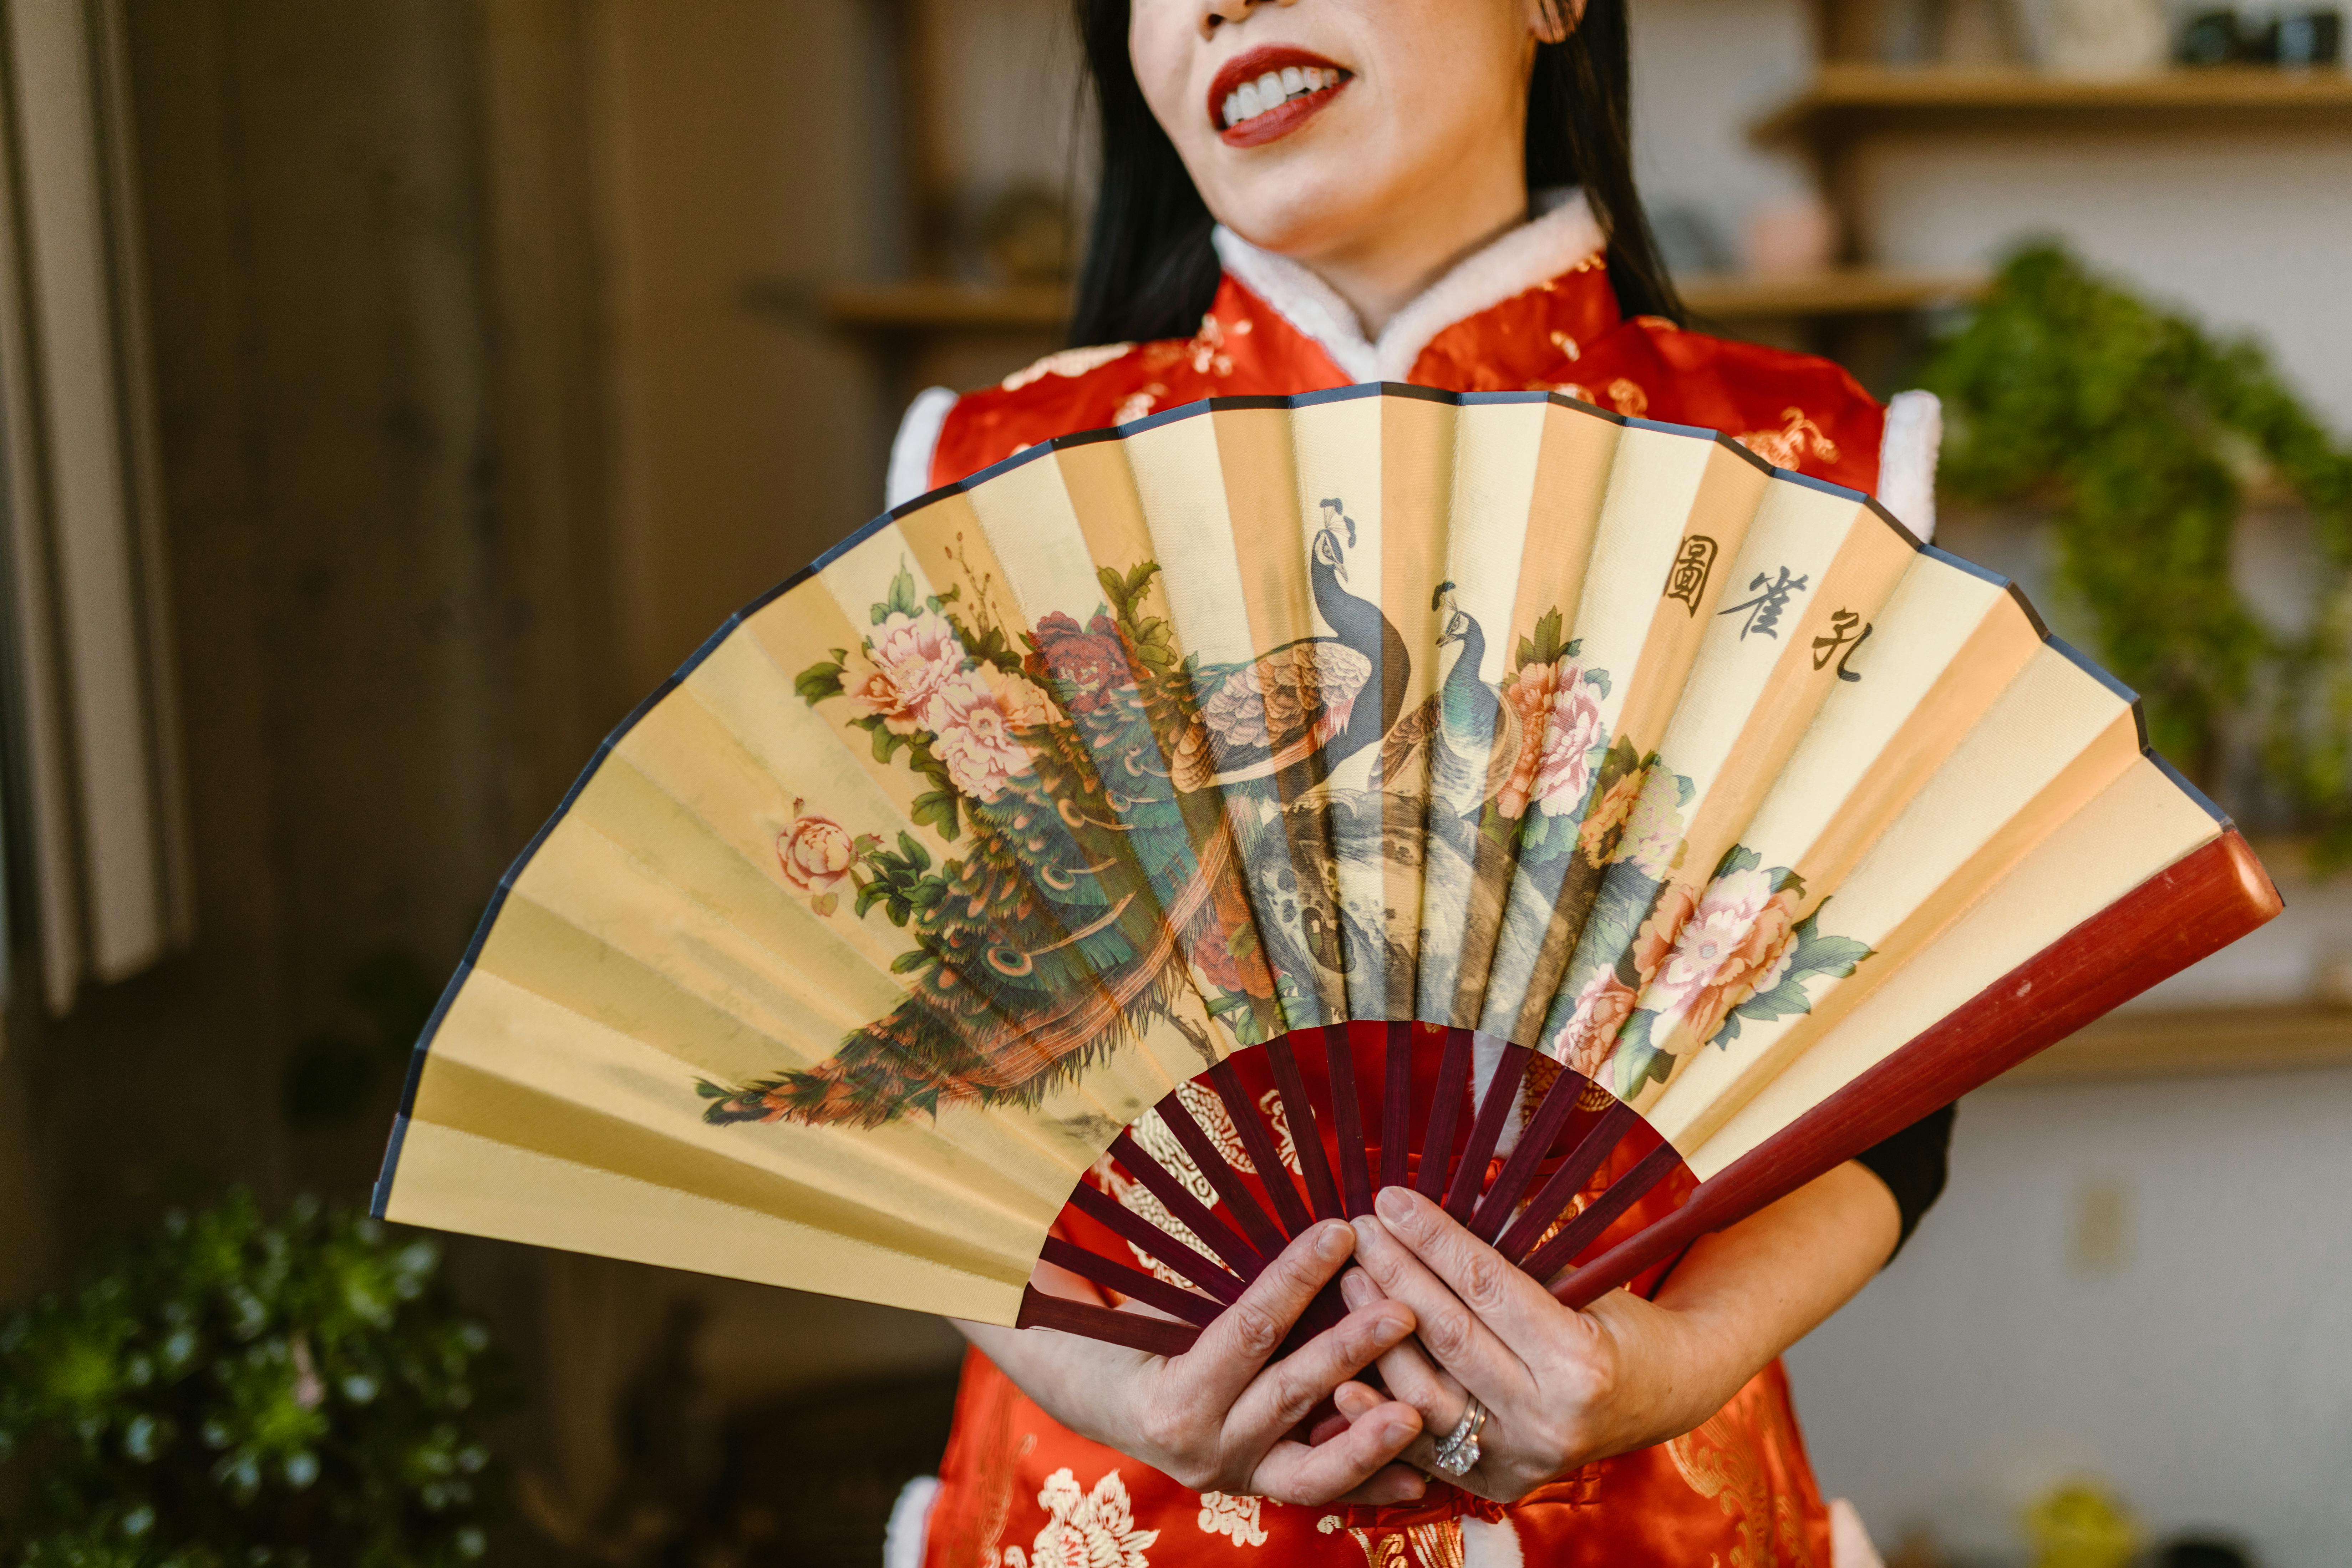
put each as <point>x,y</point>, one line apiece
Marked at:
<point>1448,1333</point>
<point>1195,1471</point>
<point>1485,1286</point>
<point>1294,1393</point>
<point>1168,1430</point>
<point>1257,1330</point>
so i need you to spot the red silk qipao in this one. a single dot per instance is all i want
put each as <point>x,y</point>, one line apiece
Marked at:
<point>1020,1491</point>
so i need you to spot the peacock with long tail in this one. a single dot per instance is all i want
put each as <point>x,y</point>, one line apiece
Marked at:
<point>1470,737</point>
<point>1094,879</point>
<point>1295,713</point>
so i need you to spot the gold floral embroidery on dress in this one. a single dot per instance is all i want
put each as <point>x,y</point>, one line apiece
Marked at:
<point>1437,1545</point>
<point>1069,363</point>
<point>1234,1516</point>
<point>1088,1530</point>
<point>1786,447</point>
<point>1628,398</point>
<point>1722,1461</point>
<point>1208,348</point>
<point>1136,404</point>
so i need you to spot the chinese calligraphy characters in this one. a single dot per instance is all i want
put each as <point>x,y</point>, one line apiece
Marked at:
<point>1687,578</point>
<point>1841,636</point>
<point>1764,611</point>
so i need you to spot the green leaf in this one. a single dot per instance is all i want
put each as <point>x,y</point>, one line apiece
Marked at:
<point>936,809</point>
<point>1834,956</point>
<point>905,599</point>
<point>914,853</point>
<point>817,682</point>
<point>1738,858</point>
<point>1547,644</point>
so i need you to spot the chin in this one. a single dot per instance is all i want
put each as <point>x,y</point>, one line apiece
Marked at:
<point>1299,211</point>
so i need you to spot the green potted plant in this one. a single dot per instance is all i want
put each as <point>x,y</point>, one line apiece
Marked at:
<point>231,1392</point>
<point>2140,432</point>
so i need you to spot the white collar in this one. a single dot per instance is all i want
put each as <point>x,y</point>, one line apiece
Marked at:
<point>1536,252</point>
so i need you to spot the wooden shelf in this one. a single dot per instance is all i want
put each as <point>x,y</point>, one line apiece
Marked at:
<point>967,307</point>
<point>2196,1044</point>
<point>1843,291</point>
<point>946,308</point>
<point>1843,98</point>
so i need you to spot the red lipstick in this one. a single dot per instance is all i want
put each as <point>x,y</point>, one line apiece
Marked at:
<point>1271,125</point>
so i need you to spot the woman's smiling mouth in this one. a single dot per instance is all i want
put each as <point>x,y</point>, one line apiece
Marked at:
<point>1268,93</point>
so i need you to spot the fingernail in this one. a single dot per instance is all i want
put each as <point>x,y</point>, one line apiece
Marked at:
<point>1396,1434</point>
<point>1335,1241</point>
<point>1391,1331</point>
<point>1356,1291</point>
<point>1394,1205</point>
<point>1416,1488</point>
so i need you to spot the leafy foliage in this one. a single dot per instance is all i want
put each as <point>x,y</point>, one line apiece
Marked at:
<point>231,1391</point>
<point>2140,426</point>
<point>1545,646</point>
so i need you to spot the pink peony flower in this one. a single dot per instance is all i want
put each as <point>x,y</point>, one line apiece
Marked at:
<point>1565,769</point>
<point>816,853</point>
<point>1598,838</point>
<point>1091,664</point>
<point>1529,693</point>
<point>1602,1009</point>
<point>974,728</point>
<point>1024,705</point>
<point>1734,944</point>
<point>906,663</point>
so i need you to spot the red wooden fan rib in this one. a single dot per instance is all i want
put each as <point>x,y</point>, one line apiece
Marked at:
<point>2208,899</point>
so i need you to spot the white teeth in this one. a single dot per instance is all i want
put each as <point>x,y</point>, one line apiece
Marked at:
<point>1274,90</point>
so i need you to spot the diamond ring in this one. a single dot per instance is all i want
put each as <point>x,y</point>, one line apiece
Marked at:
<point>1459,1452</point>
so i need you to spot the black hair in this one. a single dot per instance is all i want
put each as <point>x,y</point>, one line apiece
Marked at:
<point>1150,271</point>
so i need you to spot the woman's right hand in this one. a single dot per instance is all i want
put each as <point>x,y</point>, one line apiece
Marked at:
<point>1219,1417</point>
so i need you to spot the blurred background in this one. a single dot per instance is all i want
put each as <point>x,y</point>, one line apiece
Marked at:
<point>392,391</point>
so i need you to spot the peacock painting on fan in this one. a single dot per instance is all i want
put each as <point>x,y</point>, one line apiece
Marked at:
<point>1142,825</point>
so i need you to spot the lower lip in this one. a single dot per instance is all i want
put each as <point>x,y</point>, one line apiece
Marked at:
<point>1278,123</point>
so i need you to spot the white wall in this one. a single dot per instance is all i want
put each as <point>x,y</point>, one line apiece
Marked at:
<point>2251,231</point>
<point>2199,1358</point>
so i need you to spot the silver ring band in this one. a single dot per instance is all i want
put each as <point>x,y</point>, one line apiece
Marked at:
<point>1459,1453</point>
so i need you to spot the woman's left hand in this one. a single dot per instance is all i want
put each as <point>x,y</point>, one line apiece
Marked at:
<point>1562,1387</point>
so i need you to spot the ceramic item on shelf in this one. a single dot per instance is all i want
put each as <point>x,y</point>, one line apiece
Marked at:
<point>1978,32</point>
<point>2099,37</point>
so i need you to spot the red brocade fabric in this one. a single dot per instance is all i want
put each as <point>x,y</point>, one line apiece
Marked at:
<point>1564,335</point>
<point>1020,1491</point>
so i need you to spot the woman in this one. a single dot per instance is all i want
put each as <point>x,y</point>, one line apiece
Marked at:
<point>1303,193</point>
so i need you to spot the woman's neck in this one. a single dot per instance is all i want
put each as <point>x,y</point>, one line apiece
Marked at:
<point>1381,273</point>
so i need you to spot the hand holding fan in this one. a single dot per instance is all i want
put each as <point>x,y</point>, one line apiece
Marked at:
<point>1162,840</point>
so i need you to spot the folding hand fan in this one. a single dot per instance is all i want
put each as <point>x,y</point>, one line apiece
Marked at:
<point>1163,839</point>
